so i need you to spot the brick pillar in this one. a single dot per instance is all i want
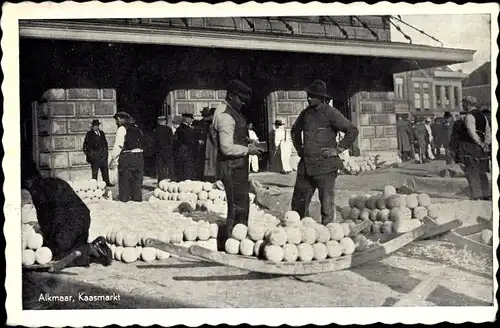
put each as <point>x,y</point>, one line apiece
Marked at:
<point>443,97</point>
<point>451,91</point>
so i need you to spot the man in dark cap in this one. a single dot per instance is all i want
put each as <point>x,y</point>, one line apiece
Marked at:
<point>64,220</point>
<point>202,128</point>
<point>128,155</point>
<point>319,152</point>
<point>186,144</point>
<point>229,134</point>
<point>95,148</point>
<point>163,147</point>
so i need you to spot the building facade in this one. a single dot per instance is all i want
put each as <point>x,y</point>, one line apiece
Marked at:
<point>478,84</point>
<point>428,92</point>
<point>184,64</point>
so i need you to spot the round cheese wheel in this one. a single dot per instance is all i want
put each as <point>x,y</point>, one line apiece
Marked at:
<point>129,255</point>
<point>320,251</point>
<point>290,253</point>
<point>306,252</point>
<point>246,247</point>
<point>333,248</point>
<point>273,253</point>
<point>148,254</point>
<point>28,257</point>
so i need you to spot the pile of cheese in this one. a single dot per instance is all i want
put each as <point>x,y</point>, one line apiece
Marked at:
<point>129,247</point>
<point>355,165</point>
<point>390,212</point>
<point>89,190</point>
<point>32,246</point>
<point>294,239</point>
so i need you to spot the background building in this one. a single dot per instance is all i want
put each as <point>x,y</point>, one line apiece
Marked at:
<point>428,92</point>
<point>478,84</point>
<point>88,69</point>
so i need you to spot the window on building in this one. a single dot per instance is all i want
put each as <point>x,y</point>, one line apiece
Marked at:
<point>416,85</point>
<point>416,100</point>
<point>427,101</point>
<point>425,85</point>
<point>398,92</point>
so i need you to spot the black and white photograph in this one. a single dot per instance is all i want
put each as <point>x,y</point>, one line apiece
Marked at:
<point>284,157</point>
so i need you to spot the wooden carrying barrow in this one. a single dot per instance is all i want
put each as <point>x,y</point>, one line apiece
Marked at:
<point>254,264</point>
<point>461,236</point>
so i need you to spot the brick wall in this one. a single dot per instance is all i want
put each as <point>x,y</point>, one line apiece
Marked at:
<point>64,117</point>
<point>193,101</point>
<point>376,121</point>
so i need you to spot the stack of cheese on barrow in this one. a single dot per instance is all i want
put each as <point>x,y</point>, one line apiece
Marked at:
<point>390,212</point>
<point>130,247</point>
<point>294,239</point>
<point>32,246</point>
<point>355,165</point>
<point>89,190</point>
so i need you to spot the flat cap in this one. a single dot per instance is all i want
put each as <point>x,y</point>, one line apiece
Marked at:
<point>122,115</point>
<point>239,88</point>
<point>470,100</point>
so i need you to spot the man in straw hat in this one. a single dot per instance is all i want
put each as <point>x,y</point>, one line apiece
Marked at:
<point>282,149</point>
<point>163,147</point>
<point>229,134</point>
<point>319,152</point>
<point>95,147</point>
<point>128,155</point>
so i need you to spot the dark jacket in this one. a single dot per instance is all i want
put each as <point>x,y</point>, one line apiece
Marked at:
<point>134,139</point>
<point>95,147</point>
<point>320,126</point>
<point>163,140</point>
<point>63,217</point>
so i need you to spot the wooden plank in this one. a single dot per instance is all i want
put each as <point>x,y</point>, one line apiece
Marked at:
<point>487,223</point>
<point>438,229</point>
<point>467,243</point>
<point>423,290</point>
<point>469,230</point>
<point>54,266</point>
<point>172,249</point>
<point>313,267</point>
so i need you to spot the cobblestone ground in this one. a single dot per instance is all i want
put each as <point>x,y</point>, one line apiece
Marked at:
<point>175,283</point>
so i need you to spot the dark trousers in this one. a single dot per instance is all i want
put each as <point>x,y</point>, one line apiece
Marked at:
<point>236,185</point>
<point>304,189</point>
<point>163,167</point>
<point>130,176</point>
<point>478,180</point>
<point>100,164</point>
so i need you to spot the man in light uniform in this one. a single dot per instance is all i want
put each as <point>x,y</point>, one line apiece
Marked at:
<point>229,134</point>
<point>254,159</point>
<point>128,155</point>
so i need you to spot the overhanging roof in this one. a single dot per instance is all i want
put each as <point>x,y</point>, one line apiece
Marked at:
<point>84,31</point>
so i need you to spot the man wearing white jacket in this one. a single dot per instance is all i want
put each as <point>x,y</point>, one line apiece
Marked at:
<point>283,148</point>
<point>253,159</point>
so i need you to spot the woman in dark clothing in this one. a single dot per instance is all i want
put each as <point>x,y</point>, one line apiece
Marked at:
<point>64,220</point>
<point>473,142</point>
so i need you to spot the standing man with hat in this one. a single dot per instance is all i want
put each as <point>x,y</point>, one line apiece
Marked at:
<point>95,147</point>
<point>186,143</point>
<point>128,152</point>
<point>229,134</point>
<point>202,128</point>
<point>163,145</point>
<point>319,152</point>
<point>473,139</point>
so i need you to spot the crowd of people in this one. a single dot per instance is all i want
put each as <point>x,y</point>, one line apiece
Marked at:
<point>465,139</point>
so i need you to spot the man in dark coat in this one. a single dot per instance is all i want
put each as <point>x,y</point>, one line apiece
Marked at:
<point>447,128</point>
<point>186,144</point>
<point>163,147</point>
<point>128,153</point>
<point>229,134</point>
<point>95,147</point>
<point>64,220</point>
<point>202,128</point>
<point>405,138</point>
<point>318,151</point>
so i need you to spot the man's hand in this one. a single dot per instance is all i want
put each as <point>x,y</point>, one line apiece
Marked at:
<point>112,165</point>
<point>254,150</point>
<point>329,152</point>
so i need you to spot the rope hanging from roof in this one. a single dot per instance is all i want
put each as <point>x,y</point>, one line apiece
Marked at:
<point>399,29</point>
<point>417,29</point>
<point>344,32</point>
<point>375,35</point>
